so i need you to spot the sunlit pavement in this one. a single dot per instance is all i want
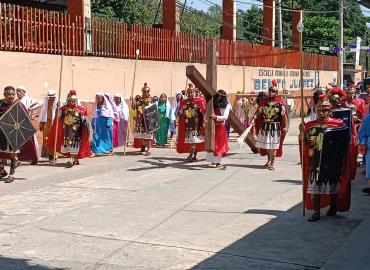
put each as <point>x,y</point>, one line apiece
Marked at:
<point>159,212</point>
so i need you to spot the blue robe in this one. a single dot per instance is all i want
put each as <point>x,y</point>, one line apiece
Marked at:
<point>103,134</point>
<point>364,138</point>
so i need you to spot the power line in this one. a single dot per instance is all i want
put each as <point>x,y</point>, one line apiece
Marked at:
<point>209,3</point>
<point>289,9</point>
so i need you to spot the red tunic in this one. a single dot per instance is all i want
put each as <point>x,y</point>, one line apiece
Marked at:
<point>344,194</point>
<point>183,147</point>
<point>259,121</point>
<point>85,149</point>
<point>221,141</point>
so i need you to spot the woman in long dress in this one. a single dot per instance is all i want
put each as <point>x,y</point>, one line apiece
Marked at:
<point>102,124</point>
<point>165,118</point>
<point>123,114</point>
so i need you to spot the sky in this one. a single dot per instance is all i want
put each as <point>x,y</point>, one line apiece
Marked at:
<point>205,4</point>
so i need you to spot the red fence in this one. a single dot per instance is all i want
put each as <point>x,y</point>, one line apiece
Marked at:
<point>34,30</point>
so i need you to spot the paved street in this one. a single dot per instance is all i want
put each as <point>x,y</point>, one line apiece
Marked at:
<point>158,212</point>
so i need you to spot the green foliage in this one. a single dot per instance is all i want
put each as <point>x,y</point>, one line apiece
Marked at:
<point>202,23</point>
<point>249,24</point>
<point>321,29</point>
<point>128,11</point>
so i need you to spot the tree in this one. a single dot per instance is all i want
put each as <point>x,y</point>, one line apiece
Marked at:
<point>322,28</point>
<point>200,22</point>
<point>250,24</point>
<point>128,11</point>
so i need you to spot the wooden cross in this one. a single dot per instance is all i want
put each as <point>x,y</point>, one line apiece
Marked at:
<point>211,78</point>
<point>208,88</point>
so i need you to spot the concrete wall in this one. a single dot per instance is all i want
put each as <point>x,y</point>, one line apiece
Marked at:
<point>97,74</point>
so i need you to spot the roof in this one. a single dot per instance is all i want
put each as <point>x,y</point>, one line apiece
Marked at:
<point>365,3</point>
<point>44,4</point>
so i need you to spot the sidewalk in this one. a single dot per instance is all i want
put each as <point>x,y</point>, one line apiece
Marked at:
<point>353,254</point>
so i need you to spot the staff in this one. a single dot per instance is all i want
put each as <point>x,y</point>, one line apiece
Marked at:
<point>300,28</point>
<point>131,97</point>
<point>58,104</point>
<point>187,79</point>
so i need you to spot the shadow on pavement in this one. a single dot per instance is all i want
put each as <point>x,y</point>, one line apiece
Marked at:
<point>157,163</point>
<point>287,241</point>
<point>293,182</point>
<point>22,264</point>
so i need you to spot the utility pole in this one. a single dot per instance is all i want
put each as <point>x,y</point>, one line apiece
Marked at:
<point>279,24</point>
<point>341,45</point>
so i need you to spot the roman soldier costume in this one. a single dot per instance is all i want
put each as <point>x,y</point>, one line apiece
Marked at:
<point>338,100</point>
<point>325,166</point>
<point>191,125</point>
<point>73,133</point>
<point>142,138</point>
<point>336,96</point>
<point>16,130</point>
<point>271,126</point>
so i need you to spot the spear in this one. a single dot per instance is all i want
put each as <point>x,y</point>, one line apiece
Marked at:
<point>131,97</point>
<point>300,28</point>
<point>187,79</point>
<point>59,94</point>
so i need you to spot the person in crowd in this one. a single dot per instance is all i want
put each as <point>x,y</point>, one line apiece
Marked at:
<point>72,132</point>
<point>289,102</point>
<point>31,148</point>
<point>191,125</point>
<point>116,119</point>
<point>6,151</point>
<point>271,126</point>
<point>320,191</point>
<point>165,118</point>
<point>356,105</point>
<point>240,109</point>
<point>175,112</point>
<point>123,114</point>
<point>143,139</point>
<point>102,125</point>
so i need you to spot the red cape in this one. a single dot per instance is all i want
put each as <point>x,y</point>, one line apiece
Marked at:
<point>183,147</point>
<point>85,149</point>
<point>344,194</point>
<point>258,124</point>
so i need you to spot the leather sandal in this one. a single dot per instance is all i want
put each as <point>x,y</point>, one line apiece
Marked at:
<point>10,179</point>
<point>314,217</point>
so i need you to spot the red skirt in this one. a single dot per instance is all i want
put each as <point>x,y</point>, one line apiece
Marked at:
<point>221,141</point>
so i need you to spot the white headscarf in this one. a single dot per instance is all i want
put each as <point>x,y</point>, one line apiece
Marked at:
<point>43,117</point>
<point>176,104</point>
<point>27,101</point>
<point>123,109</point>
<point>114,106</point>
<point>107,109</point>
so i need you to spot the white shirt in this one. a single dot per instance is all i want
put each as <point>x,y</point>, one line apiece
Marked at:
<point>224,113</point>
